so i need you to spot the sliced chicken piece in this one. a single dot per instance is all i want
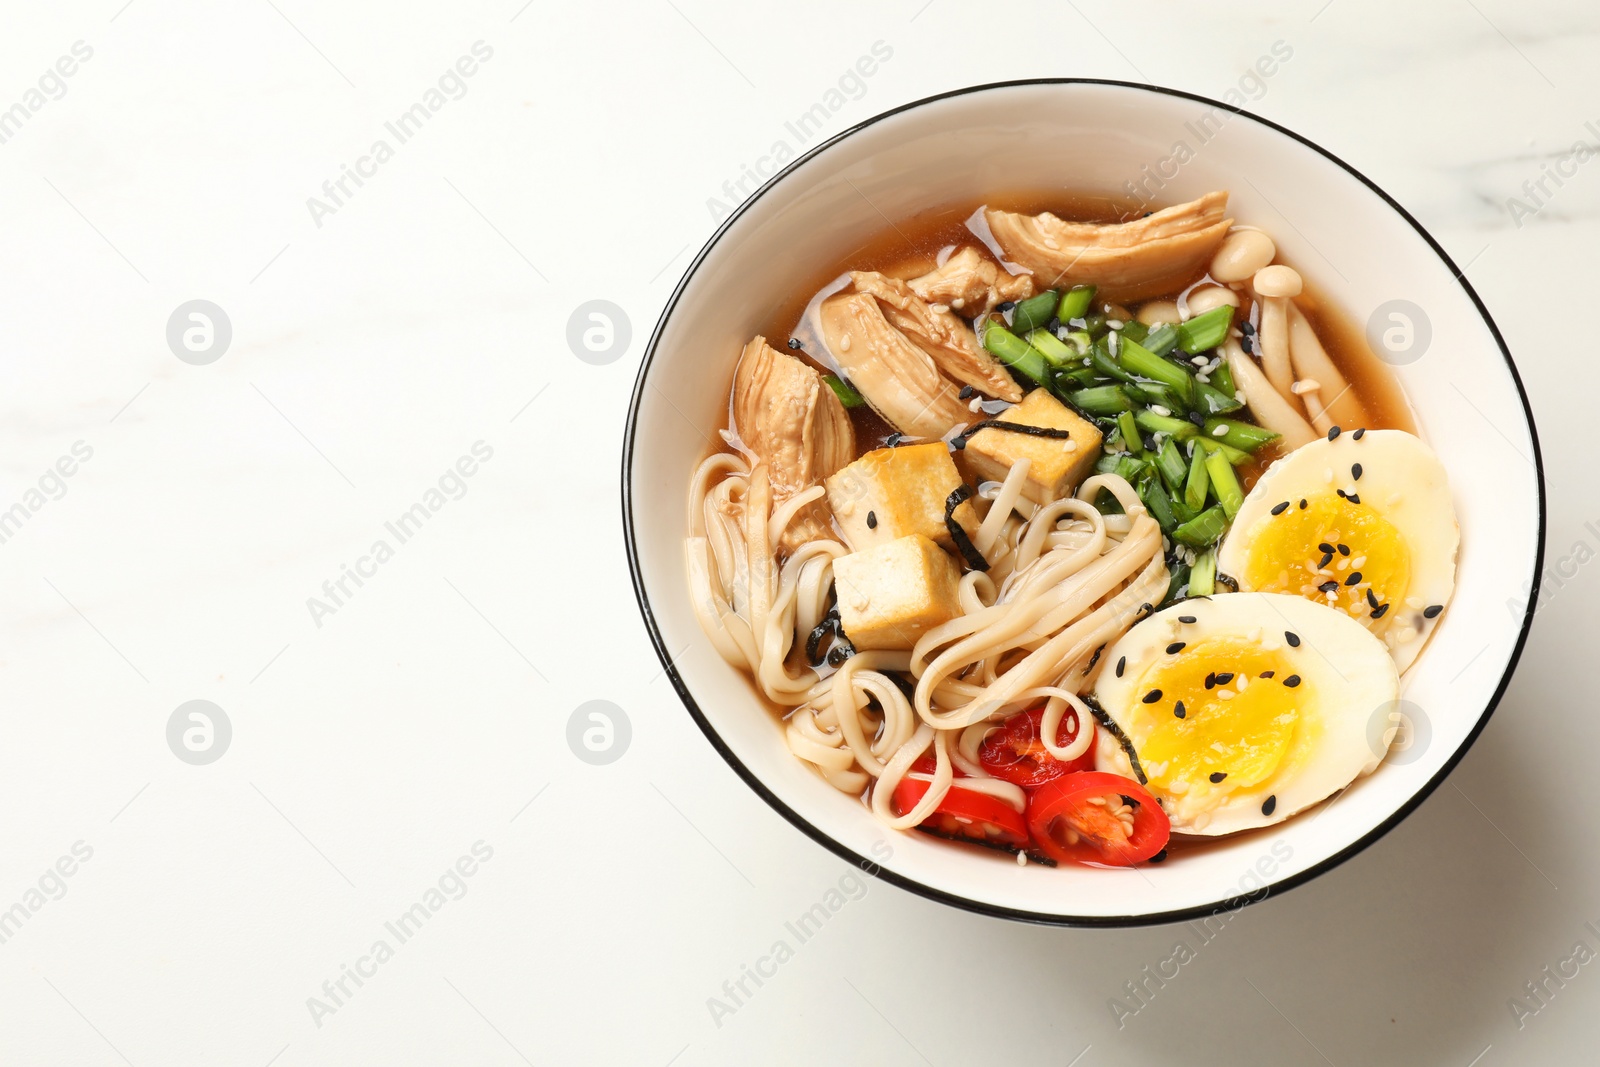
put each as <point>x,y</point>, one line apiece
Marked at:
<point>896,377</point>
<point>1151,256</point>
<point>949,341</point>
<point>971,283</point>
<point>785,413</point>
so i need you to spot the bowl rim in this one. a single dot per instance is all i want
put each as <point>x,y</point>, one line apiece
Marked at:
<point>967,903</point>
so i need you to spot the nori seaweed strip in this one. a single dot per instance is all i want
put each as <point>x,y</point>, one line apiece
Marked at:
<point>1094,659</point>
<point>964,545</point>
<point>1111,727</point>
<point>1228,580</point>
<point>960,440</point>
<point>1010,850</point>
<point>830,624</point>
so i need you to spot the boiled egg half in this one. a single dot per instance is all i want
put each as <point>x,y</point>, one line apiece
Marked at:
<point>1361,522</point>
<point>1240,709</point>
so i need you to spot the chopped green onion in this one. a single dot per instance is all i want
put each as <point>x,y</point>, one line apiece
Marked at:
<point>1243,435</point>
<point>1224,483</point>
<point>1203,575</point>
<point>1235,456</point>
<point>1013,351</point>
<point>842,389</point>
<point>1049,346</point>
<point>1182,429</point>
<point>1169,461</point>
<point>1080,340</point>
<point>1162,339</point>
<point>1065,381</point>
<point>1095,324</point>
<point>1199,483</point>
<point>1135,330</point>
<point>1034,312</point>
<point>1075,303</point>
<point>1102,400</point>
<point>1102,360</point>
<point>1156,393</point>
<point>1205,332</point>
<point>1146,364</point>
<point>1222,379</point>
<point>1130,433</point>
<point>1159,503</point>
<point>1182,511</point>
<point>1175,583</point>
<point>1203,530</point>
<point>1209,400</point>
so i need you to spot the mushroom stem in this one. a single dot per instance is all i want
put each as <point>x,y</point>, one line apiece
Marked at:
<point>1311,361</point>
<point>1274,334</point>
<point>1264,401</point>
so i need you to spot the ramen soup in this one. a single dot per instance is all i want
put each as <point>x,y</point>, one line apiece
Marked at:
<point>1064,528</point>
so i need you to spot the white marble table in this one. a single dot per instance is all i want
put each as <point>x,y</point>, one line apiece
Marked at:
<point>403,740</point>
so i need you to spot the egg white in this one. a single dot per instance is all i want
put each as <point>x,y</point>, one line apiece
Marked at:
<point>1347,681</point>
<point>1402,481</point>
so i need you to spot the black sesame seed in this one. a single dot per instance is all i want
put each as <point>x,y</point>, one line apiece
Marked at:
<point>1292,637</point>
<point>1355,471</point>
<point>1178,710</point>
<point>1006,305</point>
<point>1158,857</point>
<point>1267,674</point>
<point>1325,560</point>
<point>1174,648</point>
<point>1269,805</point>
<point>794,342</point>
<point>1333,432</point>
<point>872,520</point>
<point>1354,579</point>
<point>1344,549</point>
<point>1328,586</point>
<point>1302,503</point>
<point>1359,434</point>
<point>1211,680</point>
<point>1372,598</point>
<point>967,392</point>
<point>1354,498</point>
<point>1380,611</point>
<point>1279,509</point>
<point>1217,776</point>
<point>1121,665</point>
<point>1292,681</point>
<point>1325,547</point>
<point>1225,678</point>
<point>1432,612</point>
<point>1152,696</point>
<point>893,439</point>
<point>1186,618</point>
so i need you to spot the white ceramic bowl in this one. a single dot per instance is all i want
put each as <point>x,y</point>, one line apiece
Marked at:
<point>1350,239</point>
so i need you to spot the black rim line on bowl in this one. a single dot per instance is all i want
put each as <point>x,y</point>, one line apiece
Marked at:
<point>966,903</point>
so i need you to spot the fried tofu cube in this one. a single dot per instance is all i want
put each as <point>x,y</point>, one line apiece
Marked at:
<point>891,594</point>
<point>1056,465</point>
<point>891,493</point>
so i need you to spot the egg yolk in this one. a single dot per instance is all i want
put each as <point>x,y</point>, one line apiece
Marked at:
<point>1241,706</point>
<point>1338,553</point>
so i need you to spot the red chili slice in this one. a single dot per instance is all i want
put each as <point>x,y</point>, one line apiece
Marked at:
<point>965,814</point>
<point>1016,753</point>
<point>1073,820</point>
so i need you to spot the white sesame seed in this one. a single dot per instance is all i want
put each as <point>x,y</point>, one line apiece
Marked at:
<point>939,309</point>
<point>1162,411</point>
<point>1220,431</point>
